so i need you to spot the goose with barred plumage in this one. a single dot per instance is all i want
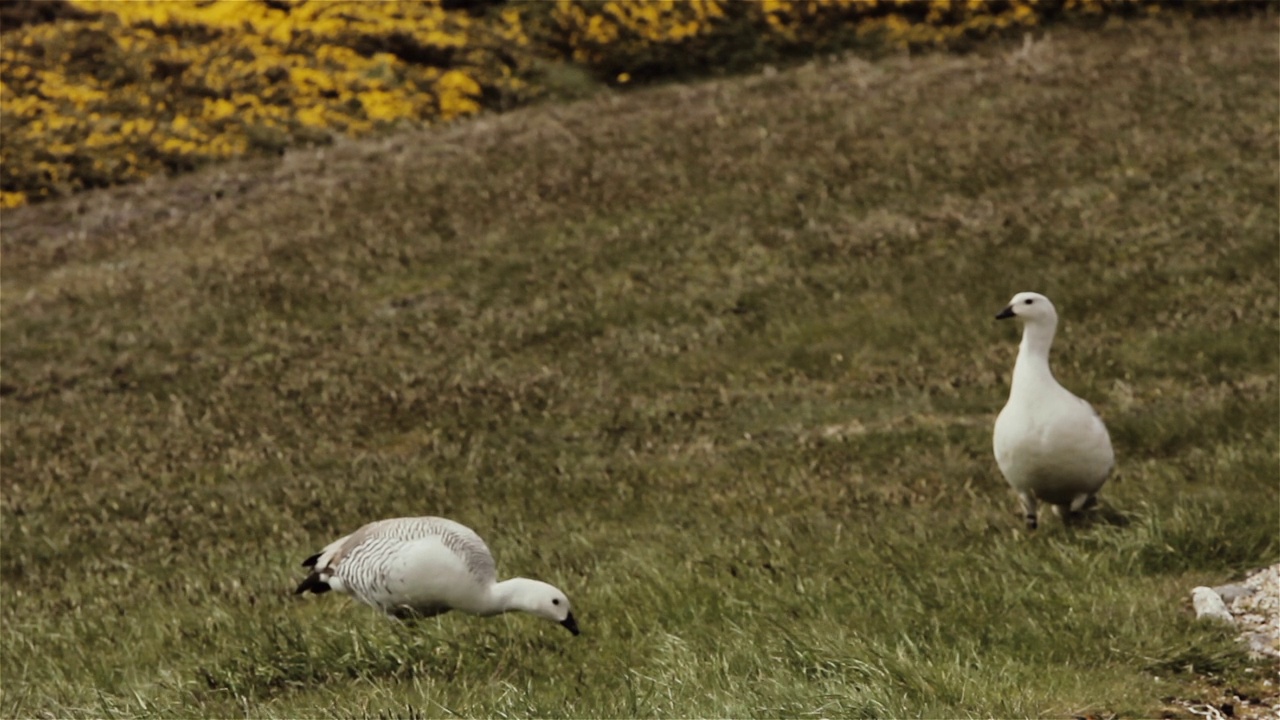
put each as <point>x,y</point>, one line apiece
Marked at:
<point>425,566</point>
<point>1050,445</point>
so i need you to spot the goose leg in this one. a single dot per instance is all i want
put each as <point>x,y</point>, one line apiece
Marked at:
<point>1078,503</point>
<point>1083,502</point>
<point>1069,512</point>
<point>1066,513</point>
<point>1029,509</point>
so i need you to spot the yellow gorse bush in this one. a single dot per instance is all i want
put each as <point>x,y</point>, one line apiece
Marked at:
<point>143,86</point>
<point>112,92</point>
<point>591,28</point>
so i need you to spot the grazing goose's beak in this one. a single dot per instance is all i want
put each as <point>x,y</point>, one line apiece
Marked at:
<point>1006,313</point>
<point>570,624</point>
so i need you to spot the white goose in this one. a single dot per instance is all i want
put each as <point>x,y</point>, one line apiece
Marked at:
<point>1050,445</point>
<point>424,566</point>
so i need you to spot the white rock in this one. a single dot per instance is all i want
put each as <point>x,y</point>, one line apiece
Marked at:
<point>1208,604</point>
<point>1258,612</point>
<point>1050,445</point>
<point>424,566</point>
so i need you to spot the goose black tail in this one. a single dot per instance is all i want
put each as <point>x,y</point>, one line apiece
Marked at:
<point>311,561</point>
<point>314,584</point>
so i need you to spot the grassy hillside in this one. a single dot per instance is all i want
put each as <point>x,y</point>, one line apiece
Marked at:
<point>717,359</point>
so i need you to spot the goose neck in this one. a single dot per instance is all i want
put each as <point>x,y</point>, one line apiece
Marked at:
<point>1032,365</point>
<point>507,595</point>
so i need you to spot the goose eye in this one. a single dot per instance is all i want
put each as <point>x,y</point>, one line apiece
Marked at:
<point>555,601</point>
<point>1027,301</point>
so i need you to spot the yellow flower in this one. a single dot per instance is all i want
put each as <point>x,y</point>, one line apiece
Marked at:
<point>457,92</point>
<point>385,106</point>
<point>218,109</point>
<point>313,116</point>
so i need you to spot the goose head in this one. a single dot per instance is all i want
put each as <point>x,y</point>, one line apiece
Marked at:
<point>543,600</point>
<point>1030,307</point>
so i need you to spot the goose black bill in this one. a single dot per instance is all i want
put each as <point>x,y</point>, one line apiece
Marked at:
<point>570,624</point>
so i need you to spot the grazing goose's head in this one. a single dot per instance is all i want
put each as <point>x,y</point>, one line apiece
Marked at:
<point>545,601</point>
<point>1030,308</point>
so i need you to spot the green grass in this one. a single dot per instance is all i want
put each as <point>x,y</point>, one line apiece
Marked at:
<point>717,359</point>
